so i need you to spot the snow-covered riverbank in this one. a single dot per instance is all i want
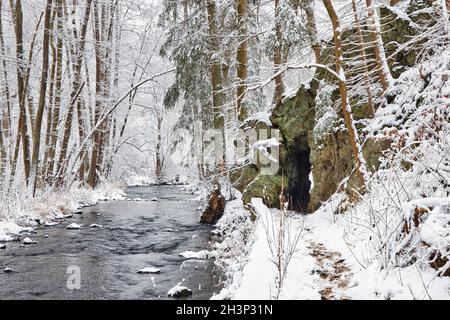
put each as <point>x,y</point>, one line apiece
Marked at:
<point>19,213</point>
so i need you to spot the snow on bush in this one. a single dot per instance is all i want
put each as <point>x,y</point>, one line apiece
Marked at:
<point>403,218</point>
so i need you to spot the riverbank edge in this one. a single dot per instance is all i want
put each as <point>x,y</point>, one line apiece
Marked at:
<point>235,230</point>
<point>21,214</point>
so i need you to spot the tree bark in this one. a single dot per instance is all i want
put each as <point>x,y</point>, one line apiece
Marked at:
<point>99,77</point>
<point>346,109</point>
<point>242,58</point>
<point>42,95</point>
<point>158,155</point>
<point>362,46</point>
<point>216,75</point>
<point>76,85</point>
<point>277,58</point>
<point>17,15</point>
<point>380,56</point>
<point>312,28</point>
<point>49,151</point>
<point>5,111</point>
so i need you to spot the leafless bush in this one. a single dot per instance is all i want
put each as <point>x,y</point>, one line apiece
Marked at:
<point>282,237</point>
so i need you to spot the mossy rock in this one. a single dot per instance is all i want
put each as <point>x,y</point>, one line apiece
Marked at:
<point>296,116</point>
<point>373,149</point>
<point>267,187</point>
<point>332,161</point>
<point>242,177</point>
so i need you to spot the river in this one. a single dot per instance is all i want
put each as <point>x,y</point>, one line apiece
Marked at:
<point>134,235</point>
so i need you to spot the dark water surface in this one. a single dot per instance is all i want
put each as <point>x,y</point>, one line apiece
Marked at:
<point>135,234</point>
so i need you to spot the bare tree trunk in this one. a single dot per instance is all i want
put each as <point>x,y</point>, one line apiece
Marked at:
<point>6,113</point>
<point>3,157</point>
<point>42,95</point>
<point>277,58</point>
<point>360,40</point>
<point>242,57</point>
<point>216,75</point>
<point>346,109</point>
<point>99,77</point>
<point>81,122</point>
<point>380,56</point>
<point>76,85</point>
<point>58,85</point>
<point>16,10</point>
<point>51,96</point>
<point>158,156</point>
<point>312,28</point>
<point>107,58</point>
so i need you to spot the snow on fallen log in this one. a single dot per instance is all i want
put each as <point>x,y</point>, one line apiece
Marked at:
<point>94,225</point>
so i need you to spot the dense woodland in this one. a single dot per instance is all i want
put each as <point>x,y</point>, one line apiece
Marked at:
<point>72,72</point>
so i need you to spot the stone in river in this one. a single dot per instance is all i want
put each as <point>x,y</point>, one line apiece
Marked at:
<point>74,226</point>
<point>149,270</point>
<point>179,291</point>
<point>28,241</point>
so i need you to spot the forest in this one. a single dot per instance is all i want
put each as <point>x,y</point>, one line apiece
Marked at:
<point>293,149</point>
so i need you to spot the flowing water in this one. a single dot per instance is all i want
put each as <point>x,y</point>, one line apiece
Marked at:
<point>135,235</point>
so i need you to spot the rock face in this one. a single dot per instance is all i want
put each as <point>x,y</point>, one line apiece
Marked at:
<point>215,208</point>
<point>314,140</point>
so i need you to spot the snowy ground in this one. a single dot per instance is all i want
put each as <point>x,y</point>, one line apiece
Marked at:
<point>324,266</point>
<point>19,214</point>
